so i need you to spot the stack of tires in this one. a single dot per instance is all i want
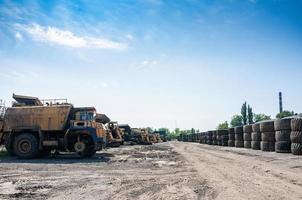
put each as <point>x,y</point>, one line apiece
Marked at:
<point>267,135</point>
<point>204,137</point>
<point>296,136</point>
<point>218,136</point>
<point>239,142</point>
<point>209,137</point>
<point>247,136</point>
<point>224,134</point>
<point>214,138</point>
<point>256,137</point>
<point>231,141</point>
<point>282,135</point>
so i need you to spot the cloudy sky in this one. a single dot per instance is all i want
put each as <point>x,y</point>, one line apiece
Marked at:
<point>186,63</point>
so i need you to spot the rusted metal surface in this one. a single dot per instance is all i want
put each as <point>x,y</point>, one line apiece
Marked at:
<point>44,118</point>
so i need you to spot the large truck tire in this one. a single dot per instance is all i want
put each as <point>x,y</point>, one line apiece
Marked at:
<point>231,143</point>
<point>267,126</point>
<point>255,145</point>
<point>283,124</point>
<point>256,127</point>
<point>238,129</point>
<point>247,137</point>
<point>88,152</point>
<point>239,144</point>
<point>296,124</point>
<point>256,136</point>
<point>26,146</point>
<point>247,144</point>
<point>267,146</point>
<point>282,147</point>
<point>296,136</point>
<point>296,148</point>
<point>268,136</point>
<point>239,137</point>
<point>283,135</point>
<point>9,147</point>
<point>247,128</point>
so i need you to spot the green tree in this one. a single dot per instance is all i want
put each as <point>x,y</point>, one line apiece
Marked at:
<point>224,125</point>
<point>261,117</point>
<point>250,115</point>
<point>244,113</point>
<point>285,113</point>
<point>236,121</point>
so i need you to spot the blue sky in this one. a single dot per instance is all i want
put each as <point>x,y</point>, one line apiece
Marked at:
<point>189,63</point>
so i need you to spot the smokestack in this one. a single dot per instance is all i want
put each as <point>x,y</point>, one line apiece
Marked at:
<point>280,102</point>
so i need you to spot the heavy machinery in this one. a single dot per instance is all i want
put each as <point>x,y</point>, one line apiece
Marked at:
<point>153,138</point>
<point>117,135</point>
<point>128,134</point>
<point>32,128</point>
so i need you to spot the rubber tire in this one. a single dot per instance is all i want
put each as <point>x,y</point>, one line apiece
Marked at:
<point>239,144</point>
<point>34,152</point>
<point>247,137</point>
<point>255,145</point>
<point>238,129</point>
<point>282,124</point>
<point>283,147</point>
<point>268,136</point>
<point>247,128</point>
<point>256,127</point>
<point>296,148</point>
<point>231,143</point>
<point>296,124</point>
<point>283,135</point>
<point>247,144</point>
<point>239,137</point>
<point>256,136</point>
<point>296,136</point>
<point>267,126</point>
<point>210,142</point>
<point>231,131</point>
<point>9,147</point>
<point>231,136</point>
<point>267,146</point>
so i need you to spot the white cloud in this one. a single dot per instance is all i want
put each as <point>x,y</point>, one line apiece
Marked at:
<point>18,36</point>
<point>147,63</point>
<point>57,36</point>
<point>129,36</point>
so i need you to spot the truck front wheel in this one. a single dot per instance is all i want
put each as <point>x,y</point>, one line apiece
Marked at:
<point>26,146</point>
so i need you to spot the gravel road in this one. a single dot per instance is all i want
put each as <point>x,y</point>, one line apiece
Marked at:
<point>172,170</point>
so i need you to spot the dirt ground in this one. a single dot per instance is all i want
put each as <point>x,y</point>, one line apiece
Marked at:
<point>173,170</point>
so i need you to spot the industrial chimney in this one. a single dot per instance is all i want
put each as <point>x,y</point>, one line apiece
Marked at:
<point>280,102</point>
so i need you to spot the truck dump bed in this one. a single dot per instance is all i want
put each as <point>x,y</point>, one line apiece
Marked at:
<point>45,118</point>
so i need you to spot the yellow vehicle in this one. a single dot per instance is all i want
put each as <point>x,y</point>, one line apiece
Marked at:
<point>116,134</point>
<point>33,128</point>
<point>152,138</point>
<point>158,138</point>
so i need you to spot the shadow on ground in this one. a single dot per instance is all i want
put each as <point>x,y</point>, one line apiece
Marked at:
<point>66,158</point>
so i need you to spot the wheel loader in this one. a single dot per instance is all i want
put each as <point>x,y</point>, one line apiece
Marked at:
<point>32,128</point>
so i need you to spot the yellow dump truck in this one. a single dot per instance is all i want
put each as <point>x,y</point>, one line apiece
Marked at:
<point>117,135</point>
<point>32,129</point>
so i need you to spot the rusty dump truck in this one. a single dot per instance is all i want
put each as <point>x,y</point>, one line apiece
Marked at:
<point>32,129</point>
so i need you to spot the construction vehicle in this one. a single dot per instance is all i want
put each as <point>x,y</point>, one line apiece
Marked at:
<point>116,133</point>
<point>32,128</point>
<point>128,134</point>
<point>152,138</point>
<point>158,138</point>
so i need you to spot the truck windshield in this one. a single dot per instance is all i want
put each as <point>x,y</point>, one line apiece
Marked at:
<point>84,116</point>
